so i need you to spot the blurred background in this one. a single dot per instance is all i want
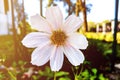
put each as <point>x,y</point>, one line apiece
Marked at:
<point>101,26</point>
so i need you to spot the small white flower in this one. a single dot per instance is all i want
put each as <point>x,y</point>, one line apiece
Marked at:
<point>55,39</point>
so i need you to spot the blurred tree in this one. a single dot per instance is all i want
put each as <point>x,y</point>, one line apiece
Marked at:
<point>14,31</point>
<point>114,46</point>
<point>6,9</point>
<point>6,6</point>
<point>22,52</point>
<point>81,7</point>
<point>85,15</point>
<point>41,7</point>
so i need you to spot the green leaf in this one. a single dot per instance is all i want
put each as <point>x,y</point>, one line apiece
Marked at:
<point>64,78</point>
<point>61,73</point>
<point>101,77</point>
<point>40,72</point>
<point>108,52</point>
<point>85,74</point>
<point>93,77</point>
<point>87,62</point>
<point>34,77</point>
<point>94,70</point>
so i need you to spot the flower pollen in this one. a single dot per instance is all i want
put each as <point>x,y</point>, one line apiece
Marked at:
<point>58,37</point>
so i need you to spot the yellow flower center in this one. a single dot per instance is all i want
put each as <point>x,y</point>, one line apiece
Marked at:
<point>58,37</point>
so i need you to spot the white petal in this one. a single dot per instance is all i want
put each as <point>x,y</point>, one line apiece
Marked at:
<point>35,39</point>
<point>41,55</point>
<point>72,23</point>
<point>40,23</point>
<point>54,16</point>
<point>78,40</point>
<point>56,59</point>
<point>75,56</point>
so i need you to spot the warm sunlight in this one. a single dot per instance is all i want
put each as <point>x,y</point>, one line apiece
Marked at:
<point>59,40</point>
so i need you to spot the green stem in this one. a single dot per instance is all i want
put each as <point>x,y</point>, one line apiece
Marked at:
<point>81,69</point>
<point>54,75</point>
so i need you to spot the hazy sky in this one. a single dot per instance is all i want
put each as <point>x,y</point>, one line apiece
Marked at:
<point>101,9</point>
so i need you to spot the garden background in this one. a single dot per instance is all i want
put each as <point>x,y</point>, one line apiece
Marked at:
<point>102,55</point>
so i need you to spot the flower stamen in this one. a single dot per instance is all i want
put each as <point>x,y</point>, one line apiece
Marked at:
<point>58,37</point>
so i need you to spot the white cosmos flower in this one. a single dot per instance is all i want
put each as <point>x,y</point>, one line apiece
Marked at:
<point>55,39</point>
